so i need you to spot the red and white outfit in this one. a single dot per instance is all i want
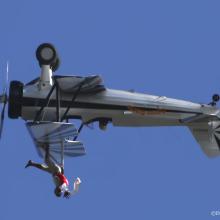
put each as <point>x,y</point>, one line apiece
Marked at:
<point>61,181</point>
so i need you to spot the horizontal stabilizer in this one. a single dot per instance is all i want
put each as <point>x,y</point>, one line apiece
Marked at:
<point>208,137</point>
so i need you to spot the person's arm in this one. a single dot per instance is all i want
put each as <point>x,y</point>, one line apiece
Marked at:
<point>76,184</point>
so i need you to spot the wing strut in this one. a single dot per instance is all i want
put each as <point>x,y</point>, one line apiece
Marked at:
<point>73,99</point>
<point>62,155</point>
<point>79,130</point>
<point>57,101</point>
<point>46,103</point>
<point>55,85</point>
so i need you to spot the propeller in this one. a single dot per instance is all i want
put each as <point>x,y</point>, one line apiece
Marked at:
<point>3,99</point>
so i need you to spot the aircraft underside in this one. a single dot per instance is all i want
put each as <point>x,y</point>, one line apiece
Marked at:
<point>120,108</point>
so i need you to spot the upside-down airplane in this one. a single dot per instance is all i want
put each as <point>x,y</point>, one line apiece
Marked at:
<point>48,102</point>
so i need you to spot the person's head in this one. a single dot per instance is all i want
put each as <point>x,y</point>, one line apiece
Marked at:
<point>58,191</point>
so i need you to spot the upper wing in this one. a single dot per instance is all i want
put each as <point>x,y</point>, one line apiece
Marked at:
<point>57,137</point>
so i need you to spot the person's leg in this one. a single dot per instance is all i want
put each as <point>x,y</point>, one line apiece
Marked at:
<point>52,167</point>
<point>37,165</point>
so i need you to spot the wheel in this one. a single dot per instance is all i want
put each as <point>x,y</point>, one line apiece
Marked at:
<point>46,54</point>
<point>55,65</point>
<point>215,98</point>
<point>15,99</point>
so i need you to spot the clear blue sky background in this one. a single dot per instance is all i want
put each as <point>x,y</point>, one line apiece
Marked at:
<point>169,48</point>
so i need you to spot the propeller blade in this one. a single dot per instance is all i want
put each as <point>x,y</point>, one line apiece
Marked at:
<point>7,71</point>
<point>3,99</point>
<point>2,119</point>
<point>6,79</point>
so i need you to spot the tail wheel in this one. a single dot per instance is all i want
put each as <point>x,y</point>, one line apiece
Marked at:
<point>215,98</point>
<point>15,99</point>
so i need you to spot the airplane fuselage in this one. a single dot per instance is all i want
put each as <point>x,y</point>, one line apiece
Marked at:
<point>122,108</point>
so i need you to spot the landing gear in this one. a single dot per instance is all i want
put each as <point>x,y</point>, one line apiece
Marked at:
<point>215,99</point>
<point>46,55</point>
<point>103,124</point>
<point>49,62</point>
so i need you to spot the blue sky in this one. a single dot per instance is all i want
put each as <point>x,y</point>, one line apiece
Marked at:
<point>169,48</point>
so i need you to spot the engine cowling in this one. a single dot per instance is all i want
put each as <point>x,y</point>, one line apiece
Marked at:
<point>15,99</point>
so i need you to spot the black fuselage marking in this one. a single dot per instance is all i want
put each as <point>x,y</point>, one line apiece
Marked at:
<point>34,102</point>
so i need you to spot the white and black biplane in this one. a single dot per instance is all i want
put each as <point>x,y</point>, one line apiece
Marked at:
<point>49,102</point>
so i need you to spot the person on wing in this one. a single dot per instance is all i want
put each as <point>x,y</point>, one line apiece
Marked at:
<point>61,182</point>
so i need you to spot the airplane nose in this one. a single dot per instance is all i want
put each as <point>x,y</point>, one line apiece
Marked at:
<point>15,99</point>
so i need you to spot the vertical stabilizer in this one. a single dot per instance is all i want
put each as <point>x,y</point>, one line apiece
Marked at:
<point>208,137</point>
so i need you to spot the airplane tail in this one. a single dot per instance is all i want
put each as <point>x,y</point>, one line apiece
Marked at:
<point>207,134</point>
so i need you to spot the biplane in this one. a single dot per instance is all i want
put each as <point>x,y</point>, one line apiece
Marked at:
<point>50,101</point>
